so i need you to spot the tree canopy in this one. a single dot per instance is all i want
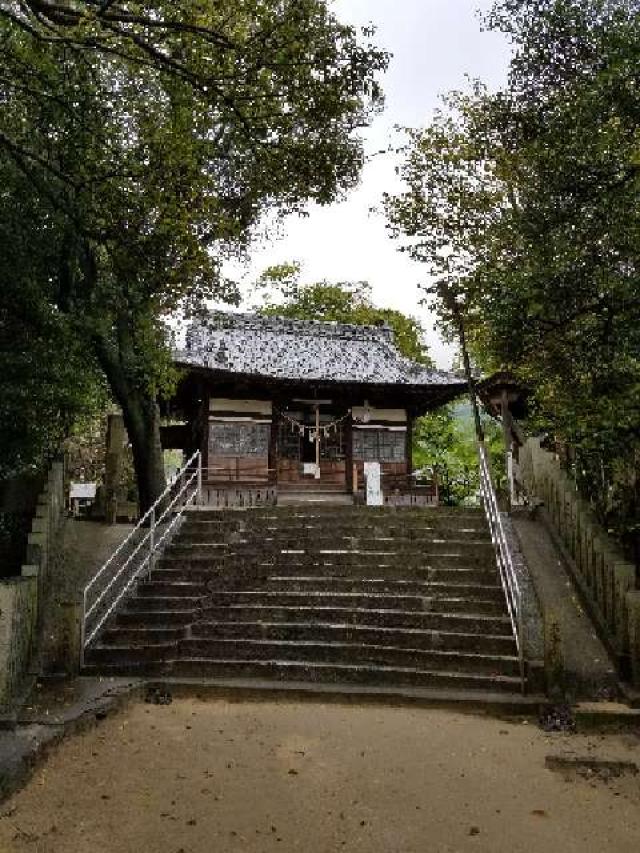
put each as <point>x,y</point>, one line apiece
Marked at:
<point>524,205</point>
<point>284,295</point>
<point>153,137</point>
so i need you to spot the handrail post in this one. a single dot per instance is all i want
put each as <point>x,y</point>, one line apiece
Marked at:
<point>83,628</point>
<point>152,539</point>
<point>521,649</point>
<point>199,486</point>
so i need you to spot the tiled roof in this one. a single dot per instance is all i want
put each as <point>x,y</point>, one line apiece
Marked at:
<point>280,348</point>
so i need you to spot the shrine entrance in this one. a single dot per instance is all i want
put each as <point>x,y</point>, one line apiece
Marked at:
<point>313,445</point>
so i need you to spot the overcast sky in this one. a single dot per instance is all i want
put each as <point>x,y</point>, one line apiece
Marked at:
<point>434,43</point>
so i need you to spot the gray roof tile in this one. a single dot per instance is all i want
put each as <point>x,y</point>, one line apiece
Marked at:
<point>281,348</point>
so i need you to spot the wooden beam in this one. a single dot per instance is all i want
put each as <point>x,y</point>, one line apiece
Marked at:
<point>348,438</point>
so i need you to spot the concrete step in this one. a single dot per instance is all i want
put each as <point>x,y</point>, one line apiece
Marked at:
<point>299,562</point>
<point>366,512</point>
<point>333,544</point>
<point>449,555</point>
<point>435,619</point>
<point>196,564</point>
<point>442,602</point>
<point>344,522</point>
<point>175,588</point>
<point>268,542</point>
<point>314,671</point>
<point>201,649</point>
<point>351,560</point>
<point>348,633</point>
<point>201,572</point>
<point>129,653</point>
<point>150,618</point>
<point>314,498</point>
<point>391,575</point>
<point>210,550</point>
<point>317,593</point>
<point>148,635</point>
<point>460,584</point>
<point>348,535</point>
<point>341,652</point>
<point>163,602</point>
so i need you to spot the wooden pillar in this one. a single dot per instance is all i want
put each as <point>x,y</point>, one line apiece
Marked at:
<point>409,445</point>
<point>205,414</point>
<point>317,442</point>
<point>273,445</point>
<point>348,429</point>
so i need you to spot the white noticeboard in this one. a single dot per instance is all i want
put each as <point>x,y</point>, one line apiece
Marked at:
<point>372,483</point>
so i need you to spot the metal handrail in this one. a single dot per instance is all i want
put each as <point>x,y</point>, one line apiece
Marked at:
<point>504,560</point>
<point>147,539</point>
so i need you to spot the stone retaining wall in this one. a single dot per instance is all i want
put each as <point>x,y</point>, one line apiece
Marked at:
<point>605,578</point>
<point>18,612</point>
<point>21,597</point>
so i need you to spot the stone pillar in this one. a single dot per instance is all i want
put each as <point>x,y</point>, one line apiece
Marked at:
<point>64,644</point>
<point>633,611</point>
<point>113,464</point>
<point>18,611</point>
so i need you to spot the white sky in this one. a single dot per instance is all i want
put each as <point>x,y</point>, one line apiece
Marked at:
<point>434,43</point>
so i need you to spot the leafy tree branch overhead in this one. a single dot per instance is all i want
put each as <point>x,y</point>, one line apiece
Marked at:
<point>524,204</point>
<point>284,295</point>
<point>155,137</point>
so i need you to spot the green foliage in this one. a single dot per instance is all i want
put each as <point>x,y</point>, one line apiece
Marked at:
<point>152,138</point>
<point>525,206</point>
<point>47,377</point>
<point>343,302</point>
<point>444,443</point>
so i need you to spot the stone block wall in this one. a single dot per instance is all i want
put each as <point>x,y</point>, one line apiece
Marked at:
<point>21,597</point>
<point>18,612</point>
<point>605,578</point>
<point>45,528</point>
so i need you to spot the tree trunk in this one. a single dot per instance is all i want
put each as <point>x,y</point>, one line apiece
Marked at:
<point>142,421</point>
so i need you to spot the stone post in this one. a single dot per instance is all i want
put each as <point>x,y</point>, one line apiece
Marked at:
<point>66,653</point>
<point>554,667</point>
<point>633,611</point>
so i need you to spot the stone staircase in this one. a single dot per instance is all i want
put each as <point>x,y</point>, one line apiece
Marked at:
<point>355,595</point>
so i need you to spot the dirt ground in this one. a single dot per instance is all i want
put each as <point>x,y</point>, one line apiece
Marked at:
<point>199,777</point>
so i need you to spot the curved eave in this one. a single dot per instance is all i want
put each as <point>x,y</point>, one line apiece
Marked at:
<point>421,397</point>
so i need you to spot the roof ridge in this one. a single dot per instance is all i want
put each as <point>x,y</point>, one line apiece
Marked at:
<point>230,319</point>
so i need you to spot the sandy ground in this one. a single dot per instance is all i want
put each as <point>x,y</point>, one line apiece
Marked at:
<point>198,777</point>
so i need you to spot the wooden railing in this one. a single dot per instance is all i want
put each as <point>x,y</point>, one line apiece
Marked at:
<point>237,470</point>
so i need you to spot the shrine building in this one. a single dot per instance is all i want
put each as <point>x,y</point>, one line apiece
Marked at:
<point>283,408</point>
